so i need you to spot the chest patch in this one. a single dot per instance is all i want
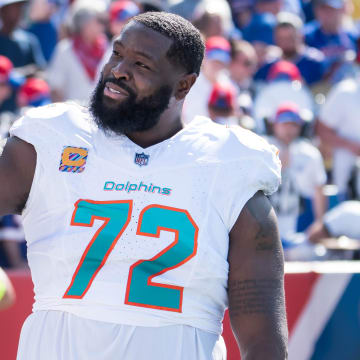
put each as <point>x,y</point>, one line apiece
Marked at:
<point>73,159</point>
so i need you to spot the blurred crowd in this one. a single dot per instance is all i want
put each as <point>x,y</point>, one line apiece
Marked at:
<point>286,69</point>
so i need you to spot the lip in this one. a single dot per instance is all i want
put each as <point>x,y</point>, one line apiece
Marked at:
<point>115,92</point>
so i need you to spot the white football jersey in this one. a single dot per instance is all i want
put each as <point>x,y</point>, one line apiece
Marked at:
<point>137,236</point>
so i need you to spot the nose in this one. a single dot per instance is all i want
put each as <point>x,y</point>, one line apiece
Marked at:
<point>121,71</point>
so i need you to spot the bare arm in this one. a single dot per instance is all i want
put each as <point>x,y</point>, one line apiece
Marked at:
<point>256,283</point>
<point>317,231</point>
<point>17,167</point>
<point>320,203</point>
<point>329,136</point>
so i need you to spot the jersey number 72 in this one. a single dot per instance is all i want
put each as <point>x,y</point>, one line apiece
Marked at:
<point>140,289</point>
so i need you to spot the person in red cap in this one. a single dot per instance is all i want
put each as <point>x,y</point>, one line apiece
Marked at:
<point>9,80</point>
<point>5,70</point>
<point>222,104</point>
<point>119,13</point>
<point>34,92</point>
<point>300,198</point>
<point>284,70</point>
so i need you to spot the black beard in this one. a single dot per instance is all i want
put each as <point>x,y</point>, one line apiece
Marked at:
<point>129,115</point>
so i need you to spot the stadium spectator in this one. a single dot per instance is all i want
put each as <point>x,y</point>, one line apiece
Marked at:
<point>329,35</point>
<point>217,58</point>
<point>43,26</point>
<point>243,66</point>
<point>283,70</point>
<point>242,11</point>
<point>222,104</point>
<point>7,293</point>
<point>303,173</point>
<point>259,31</point>
<point>8,79</point>
<point>72,71</point>
<point>213,18</point>
<point>261,25</point>
<point>289,38</point>
<point>334,237</point>
<point>342,220</point>
<point>33,93</point>
<point>339,127</point>
<point>20,46</point>
<point>120,12</point>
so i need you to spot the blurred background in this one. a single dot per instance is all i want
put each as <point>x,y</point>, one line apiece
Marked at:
<point>285,69</point>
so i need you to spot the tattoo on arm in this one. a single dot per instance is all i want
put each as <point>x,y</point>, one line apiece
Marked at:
<point>267,232</point>
<point>254,296</point>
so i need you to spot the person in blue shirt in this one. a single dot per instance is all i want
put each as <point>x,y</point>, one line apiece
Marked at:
<point>263,21</point>
<point>21,47</point>
<point>288,37</point>
<point>327,33</point>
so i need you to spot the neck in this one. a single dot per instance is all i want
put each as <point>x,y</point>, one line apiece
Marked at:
<point>169,124</point>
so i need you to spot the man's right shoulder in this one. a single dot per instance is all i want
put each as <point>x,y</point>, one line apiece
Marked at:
<point>53,110</point>
<point>64,119</point>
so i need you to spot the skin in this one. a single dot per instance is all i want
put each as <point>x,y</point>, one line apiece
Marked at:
<point>242,67</point>
<point>330,19</point>
<point>256,283</point>
<point>286,132</point>
<point>289,41</point>
<point>330,137</point>
<point>255,252</point>
<point>10,16</point>
<point>317,231</point>
<point>212,68</point>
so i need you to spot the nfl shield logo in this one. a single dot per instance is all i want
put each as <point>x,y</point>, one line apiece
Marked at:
<point>141,159</point>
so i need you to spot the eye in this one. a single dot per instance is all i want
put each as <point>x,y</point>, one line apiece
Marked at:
<point>115,53</point>
<point>142,65</point>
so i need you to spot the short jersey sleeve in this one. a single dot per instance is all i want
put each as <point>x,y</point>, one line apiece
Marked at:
<point>41,127</point>
<point>255,166</point>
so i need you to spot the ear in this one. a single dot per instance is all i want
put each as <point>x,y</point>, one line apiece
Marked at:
<point>184,85</point>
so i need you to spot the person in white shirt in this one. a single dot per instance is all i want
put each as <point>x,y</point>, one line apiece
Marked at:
<point>303,173</point>
<point>72,70</point>
<point>342,220</point>
<point>339,127</point>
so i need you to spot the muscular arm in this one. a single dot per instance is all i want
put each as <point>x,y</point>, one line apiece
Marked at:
<point>17,167</point>
<point>256,283</point>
